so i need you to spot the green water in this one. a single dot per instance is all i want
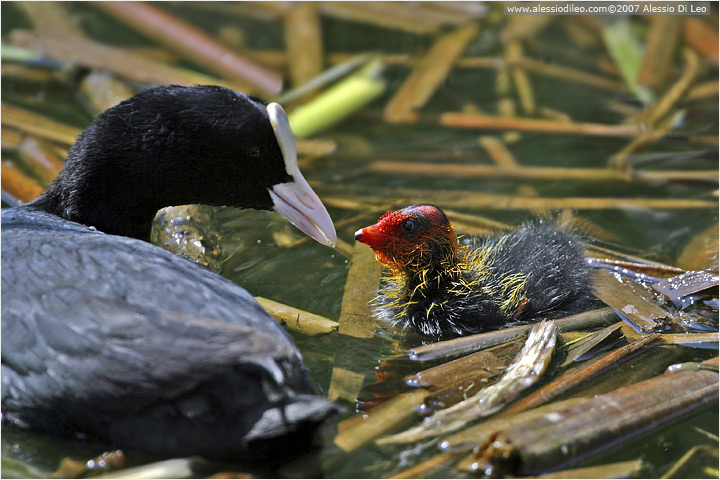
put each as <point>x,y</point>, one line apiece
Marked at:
<point>311,277</point>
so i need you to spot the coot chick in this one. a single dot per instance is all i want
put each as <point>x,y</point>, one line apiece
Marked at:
<point>439,286</point>
<point>107,336</point>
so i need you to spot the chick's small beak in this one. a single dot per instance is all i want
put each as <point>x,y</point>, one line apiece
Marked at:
<point>295,200</point>
<point>372,236</point>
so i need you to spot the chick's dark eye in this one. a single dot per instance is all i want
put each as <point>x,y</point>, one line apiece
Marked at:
<point>410,225</point>
<point>254,152</point>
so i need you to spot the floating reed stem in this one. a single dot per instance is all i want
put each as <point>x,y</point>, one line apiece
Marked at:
<point>702,251</point>
<point>87,53</point>
<point>429,72</point>
<point>568,433</point>
<point>193,44</point>
<point>580,375</point>
<point>514,50</point>
<point>39,125</point>
<point>471,199</point>
<point>685,284</point>
<point>528,366</point>
<point>480,341</point>
<point>701,37</point>
<point>10,138</point>
<point>19,185</point>
<point>40,157</point>
<point>356,321</point>
<point>675,93</point>
<point>303,42</point>
<point>538,173</point>
<point>591,342</point>
<point>298,320</point>
<point>662,38</point>
<point>631,300</point>
<point>103,90</point>
<point>383,420</point>
<point>490,122</point>
<point>629,469</point>
<point>423,469</point>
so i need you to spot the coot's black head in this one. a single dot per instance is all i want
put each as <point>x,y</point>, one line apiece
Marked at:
<point>176,145</point>
<point>416,237</point>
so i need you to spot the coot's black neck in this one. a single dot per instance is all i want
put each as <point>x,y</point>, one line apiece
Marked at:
<point>106,202</point>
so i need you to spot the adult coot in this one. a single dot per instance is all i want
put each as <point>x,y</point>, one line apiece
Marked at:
<point>439,286</point>
<point>108,336</point>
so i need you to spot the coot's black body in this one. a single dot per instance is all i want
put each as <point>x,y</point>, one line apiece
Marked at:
<point>111,337</point>
<point>439,286</point>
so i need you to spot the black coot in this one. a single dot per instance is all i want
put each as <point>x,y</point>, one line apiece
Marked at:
<point>111,337</point>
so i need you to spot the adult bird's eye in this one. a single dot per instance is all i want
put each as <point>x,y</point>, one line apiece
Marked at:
<point>410,225</point>
<point>254,152</point>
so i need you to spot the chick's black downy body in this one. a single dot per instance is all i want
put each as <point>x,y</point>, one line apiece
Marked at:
<point>441,286</point>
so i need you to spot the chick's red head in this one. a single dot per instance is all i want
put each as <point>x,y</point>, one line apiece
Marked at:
<point>417,235</point>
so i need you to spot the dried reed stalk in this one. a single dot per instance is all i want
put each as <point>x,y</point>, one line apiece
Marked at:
<point>87,53</point>
<point>193,44</point>
<point>19,185</point>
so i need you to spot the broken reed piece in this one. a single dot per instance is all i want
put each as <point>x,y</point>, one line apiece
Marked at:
<point>480,341</point>
<point>578,376</point>
<point>386,418</point>
<point>39,125</point>
<point>429,73</point>
<point>691,339</point>
<point>631,300</point>
<point>549,438</point>
<point>132,66</point>
<point>298,320</point>
<point>193,44</point>
<point>19,185</point>
<point>525,370</point>
<point>592,341</point>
